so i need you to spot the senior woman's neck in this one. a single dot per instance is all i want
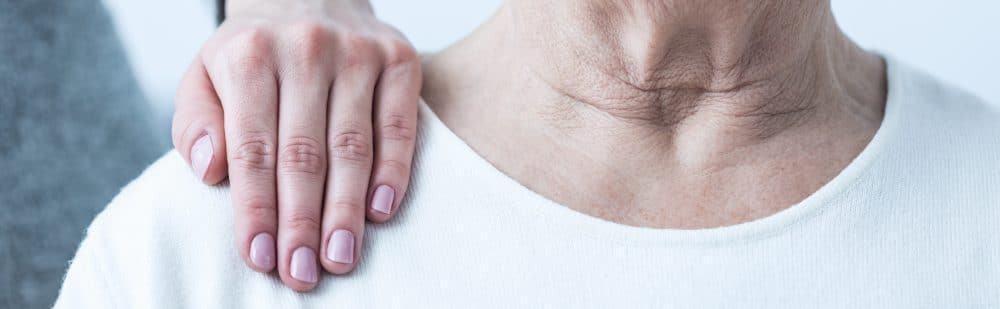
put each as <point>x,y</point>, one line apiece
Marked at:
<point>651,46</point>
<point>702,101</point>
<point>659,62</point>
<point>747,69</point>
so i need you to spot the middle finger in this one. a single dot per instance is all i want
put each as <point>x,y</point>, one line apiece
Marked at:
<point>302,161</point>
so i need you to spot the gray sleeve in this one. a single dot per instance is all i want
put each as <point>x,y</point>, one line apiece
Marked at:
<point>74,128</point>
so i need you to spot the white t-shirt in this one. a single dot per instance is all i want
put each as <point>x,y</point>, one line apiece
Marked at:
<point>912,222</point>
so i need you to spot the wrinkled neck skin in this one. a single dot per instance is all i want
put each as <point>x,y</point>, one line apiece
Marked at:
<point>667,114</point>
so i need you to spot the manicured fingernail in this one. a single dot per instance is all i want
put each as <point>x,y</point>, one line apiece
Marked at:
<point>382,199</point>
<point>201,156</point>
<point>304,265</point>
<point>341,247</point>
<point>262,251</point>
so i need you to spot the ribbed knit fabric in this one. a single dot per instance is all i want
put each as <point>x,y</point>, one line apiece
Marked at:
<point>912,222</point>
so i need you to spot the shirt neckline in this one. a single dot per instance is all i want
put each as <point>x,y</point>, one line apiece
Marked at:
<point>559,216</point>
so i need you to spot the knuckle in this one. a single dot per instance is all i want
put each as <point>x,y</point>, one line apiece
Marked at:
<point>398,128</point>
<point>346,207</point>
<point>301,220</point>
<point>359,51</point>
<point>255,154</point>
<point>399,51</point>
<point>309,42</point>
<point>399,167</point>
<point>245,66</point>
<point>250,41</point>
<point>358,41</point>
<point>310,31</point>
<point>302,155</point>
<point>247,53</point>
<point>258,208</point>
<point>351,146</point>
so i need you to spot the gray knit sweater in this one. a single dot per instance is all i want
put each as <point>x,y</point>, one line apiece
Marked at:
<point>74,128</point>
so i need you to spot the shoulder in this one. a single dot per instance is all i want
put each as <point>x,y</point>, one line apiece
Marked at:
<point>931,103</point>
<point>166,238</point>
<point>166,201</point>
<point>944,140</point>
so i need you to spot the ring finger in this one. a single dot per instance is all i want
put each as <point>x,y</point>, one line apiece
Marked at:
<point>350,156</point>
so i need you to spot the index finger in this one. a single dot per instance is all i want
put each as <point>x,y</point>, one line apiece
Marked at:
<point>247,87</point>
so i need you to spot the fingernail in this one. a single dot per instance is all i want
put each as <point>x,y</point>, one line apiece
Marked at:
<point>341,247</point>
<point>382,199</point>
<point>262,251</point>
<point>304,265</point>
<point>201,156</point>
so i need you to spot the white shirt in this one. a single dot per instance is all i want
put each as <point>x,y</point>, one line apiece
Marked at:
<point>913,221</point>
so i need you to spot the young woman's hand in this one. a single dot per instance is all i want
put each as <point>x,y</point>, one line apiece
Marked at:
<point>310,108</point>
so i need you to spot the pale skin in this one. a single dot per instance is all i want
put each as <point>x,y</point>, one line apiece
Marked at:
<point>665,114</point>
<point>309,107</point>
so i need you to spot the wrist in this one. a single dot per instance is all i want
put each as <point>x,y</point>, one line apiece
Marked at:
<point>240,7</point>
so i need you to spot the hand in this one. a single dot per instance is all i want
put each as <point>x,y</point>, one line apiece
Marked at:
<point>310,107</point>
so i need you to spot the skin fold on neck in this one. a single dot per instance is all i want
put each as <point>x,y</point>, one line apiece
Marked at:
<point>665,114</point>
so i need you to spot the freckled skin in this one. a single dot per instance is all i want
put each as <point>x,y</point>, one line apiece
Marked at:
<point>667,114</point>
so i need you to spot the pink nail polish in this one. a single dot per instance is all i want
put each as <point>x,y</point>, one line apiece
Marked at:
<point>262,251</point>
<point>201,156</point>
<point>304,265</point>
<point>382,199</point>
<point>341,247</point>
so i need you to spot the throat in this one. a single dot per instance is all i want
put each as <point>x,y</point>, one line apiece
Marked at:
<point>744,74</point>
<point>699,137</point>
